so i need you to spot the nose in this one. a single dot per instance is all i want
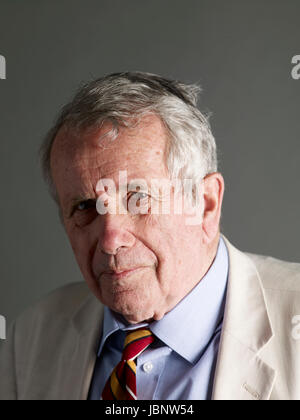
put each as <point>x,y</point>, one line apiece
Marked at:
<point>114,234</point>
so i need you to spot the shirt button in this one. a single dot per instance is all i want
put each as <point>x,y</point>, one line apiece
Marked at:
<point>148,367</point>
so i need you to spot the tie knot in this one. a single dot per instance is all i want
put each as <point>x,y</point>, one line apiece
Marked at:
<point>136,343</point>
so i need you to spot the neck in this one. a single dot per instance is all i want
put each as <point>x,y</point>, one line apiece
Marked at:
<point>208,260</point>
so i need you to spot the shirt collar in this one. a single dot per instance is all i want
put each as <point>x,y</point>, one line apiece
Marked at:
<point>190,326</point>
<point>113,322</point>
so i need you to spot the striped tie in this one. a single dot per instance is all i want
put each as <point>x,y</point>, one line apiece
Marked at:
<point>121,384</point>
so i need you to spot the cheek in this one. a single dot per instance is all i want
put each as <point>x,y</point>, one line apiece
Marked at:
<point>178,252</point>
<point>83,248</point>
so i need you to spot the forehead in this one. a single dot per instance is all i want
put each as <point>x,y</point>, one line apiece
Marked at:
<point>79,161</point>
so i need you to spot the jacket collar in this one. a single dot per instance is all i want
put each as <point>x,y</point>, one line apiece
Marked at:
<point>240,372</point>
<point>87,326</point>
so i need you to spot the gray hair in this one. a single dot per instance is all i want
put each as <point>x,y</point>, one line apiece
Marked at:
<point>122,99</point>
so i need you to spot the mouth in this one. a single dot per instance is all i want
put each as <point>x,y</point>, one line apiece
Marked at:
<point>117,275</point>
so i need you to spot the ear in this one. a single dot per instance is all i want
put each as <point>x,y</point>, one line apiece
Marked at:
<point>213,197</point>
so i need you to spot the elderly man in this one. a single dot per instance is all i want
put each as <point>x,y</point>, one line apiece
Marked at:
<point>172,310</point>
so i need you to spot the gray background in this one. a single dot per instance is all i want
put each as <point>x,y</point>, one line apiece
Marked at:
<point>240,52</point>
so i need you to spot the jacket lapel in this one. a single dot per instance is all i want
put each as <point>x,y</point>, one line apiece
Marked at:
<point>87,324</point>
<point>240,372</point>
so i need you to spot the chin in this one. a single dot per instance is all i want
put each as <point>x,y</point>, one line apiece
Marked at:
<point>134,305</point>
<point>137,319</point>
<point>132,313</point>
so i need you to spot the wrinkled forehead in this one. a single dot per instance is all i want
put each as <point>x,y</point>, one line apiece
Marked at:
<point>87,156</point>
<point>149,137</point>
<point>71,146</point>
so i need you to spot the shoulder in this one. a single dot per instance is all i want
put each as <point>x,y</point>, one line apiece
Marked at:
<point>276,274</point>
<point>63,301</point>
<point>42,341</point>
<point>55,309</point>
<point>280,282</point>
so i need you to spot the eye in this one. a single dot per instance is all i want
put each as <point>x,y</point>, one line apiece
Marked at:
<point>138,202</point>
<point>84,213</point>
<point>86,205</point>
<point>139,196</point>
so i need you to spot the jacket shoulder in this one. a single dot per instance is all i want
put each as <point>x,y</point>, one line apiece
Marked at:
<point>61,303</point>
<point>277,274</point>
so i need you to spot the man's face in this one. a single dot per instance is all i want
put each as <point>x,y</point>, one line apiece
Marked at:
<point>139,265</point>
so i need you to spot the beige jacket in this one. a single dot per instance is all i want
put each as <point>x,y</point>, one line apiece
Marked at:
<point>51,350</point>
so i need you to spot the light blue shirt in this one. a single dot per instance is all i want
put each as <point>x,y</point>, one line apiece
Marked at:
<point>180,365</point>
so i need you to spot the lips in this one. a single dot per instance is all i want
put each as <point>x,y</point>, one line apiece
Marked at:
<point>122,273</point>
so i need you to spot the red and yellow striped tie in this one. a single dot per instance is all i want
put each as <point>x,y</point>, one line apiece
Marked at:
<point>121,384</point>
